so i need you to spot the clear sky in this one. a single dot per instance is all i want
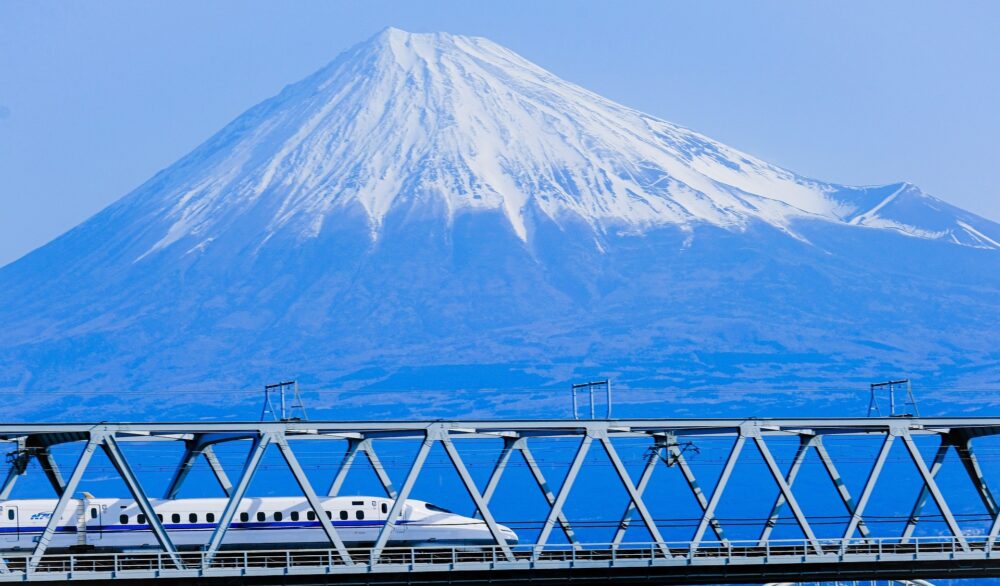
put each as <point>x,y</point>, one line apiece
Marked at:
<point>95,97</point>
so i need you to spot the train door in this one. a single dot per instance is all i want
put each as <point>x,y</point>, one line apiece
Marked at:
<point>94,525</point>
<point>11,520</point>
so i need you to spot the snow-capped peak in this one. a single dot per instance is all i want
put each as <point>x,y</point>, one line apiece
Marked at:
<point>464,123</point>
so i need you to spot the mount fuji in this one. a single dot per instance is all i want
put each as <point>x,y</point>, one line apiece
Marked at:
<point>435,211</point>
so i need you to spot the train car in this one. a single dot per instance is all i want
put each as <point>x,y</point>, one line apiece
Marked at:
<point>102,524</point>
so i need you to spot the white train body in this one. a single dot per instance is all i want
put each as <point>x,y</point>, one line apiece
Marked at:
<point>259,523</point>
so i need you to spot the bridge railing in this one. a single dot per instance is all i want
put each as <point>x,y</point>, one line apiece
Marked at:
<point>449,557</point>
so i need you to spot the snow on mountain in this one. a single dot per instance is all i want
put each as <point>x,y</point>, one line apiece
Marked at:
<point>471,125</point>
<point>431,210</point>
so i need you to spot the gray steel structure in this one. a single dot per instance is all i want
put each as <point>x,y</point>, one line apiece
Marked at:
<point>857,554</point>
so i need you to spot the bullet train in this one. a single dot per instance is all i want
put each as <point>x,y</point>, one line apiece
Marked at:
<point>102,524</point>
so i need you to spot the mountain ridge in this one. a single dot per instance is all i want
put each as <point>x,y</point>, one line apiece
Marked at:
<point>452,205</point>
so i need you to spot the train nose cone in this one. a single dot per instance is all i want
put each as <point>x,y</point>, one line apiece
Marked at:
<point>509,536</point>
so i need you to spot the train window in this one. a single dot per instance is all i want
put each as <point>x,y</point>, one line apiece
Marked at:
<point>244,517</point>
<point>123,519</point>
<point>10,514</point>
<point>193,518</point>
<point>385,508</point>
<point>329,515</point>
<point>357,503</point>
<point>261,516</point>
<point>359,514</point>
<point>431,507</point>
<point>175,518</point>
<point>93,512</point>
<point>160,517</point>
<point>141,519</point>
<point>278,515</point>
<point>311,515</point>
<point>294,515</point>
<point>343,515</point>
<point>210,517</point>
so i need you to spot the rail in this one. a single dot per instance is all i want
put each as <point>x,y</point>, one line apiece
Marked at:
<point>229,563</point>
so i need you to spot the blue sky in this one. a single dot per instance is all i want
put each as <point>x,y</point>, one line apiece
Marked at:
<point>96,97</point>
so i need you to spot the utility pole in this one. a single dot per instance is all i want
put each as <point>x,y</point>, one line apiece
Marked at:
<point>590,387</point>
<point>891,387</point>
<point>284,412</point>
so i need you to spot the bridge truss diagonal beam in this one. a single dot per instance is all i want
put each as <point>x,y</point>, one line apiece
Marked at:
<point>114,453</point>
<point>567,485</point>
<point>404,493</point>
<point>307,490</point>
<point>477,498</point>
<point>96,437</point>
<point>365,446</point>
<point>838,483</point>
<point>257,449</point>
<point>520,445</point>
<point>786,491</point>
<point>193,449</point>
<point>635,499</point>
<point>709,513</point>
<point>932,487</point>
<point>869,487</point>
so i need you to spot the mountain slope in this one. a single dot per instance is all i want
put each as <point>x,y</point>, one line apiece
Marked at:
<point>430,201</point>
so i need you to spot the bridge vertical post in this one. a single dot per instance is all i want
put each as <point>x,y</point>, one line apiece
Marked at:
<point>918,506</point>
<point>866,492</point>
<point>114,453</point>
<point>96,436</point>
<point>404,493</point>
<point>805,441</point>
<point>786,490</point>
<point>720,487</point>
<point>567,484</point>
<point>254,457</point>
<point>838,482</point>
<point>932,486</point>
<point>633,494</point>
<point>470,487</point>
<point>307,490</point>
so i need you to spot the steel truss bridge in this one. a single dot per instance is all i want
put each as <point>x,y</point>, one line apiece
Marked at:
<point>708,556</point>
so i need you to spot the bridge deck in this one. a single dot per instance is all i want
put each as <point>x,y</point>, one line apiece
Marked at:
<point>734,562</point>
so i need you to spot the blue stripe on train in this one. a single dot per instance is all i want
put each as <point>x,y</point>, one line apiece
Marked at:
<point>200,526</point>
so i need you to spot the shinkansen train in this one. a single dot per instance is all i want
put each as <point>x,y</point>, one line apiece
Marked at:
<point>103,524</point>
